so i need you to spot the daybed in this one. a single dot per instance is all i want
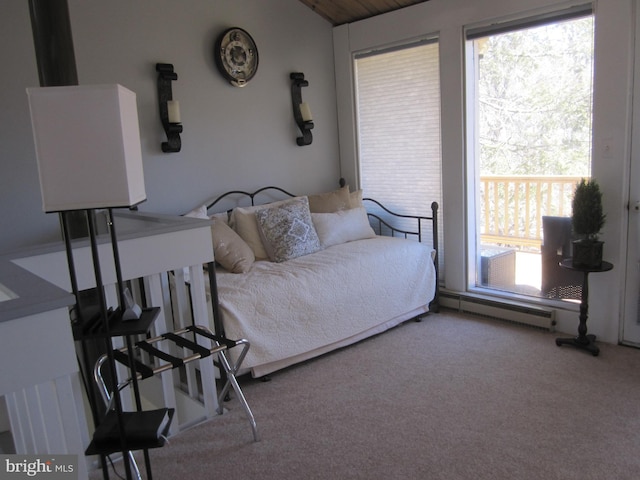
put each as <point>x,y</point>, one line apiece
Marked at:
<point>302,276</point>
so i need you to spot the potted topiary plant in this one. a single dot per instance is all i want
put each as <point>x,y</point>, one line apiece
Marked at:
<point>587,220</point>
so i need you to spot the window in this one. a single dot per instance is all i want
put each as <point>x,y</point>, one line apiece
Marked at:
<point>398,120</point>
<point>529,102</point>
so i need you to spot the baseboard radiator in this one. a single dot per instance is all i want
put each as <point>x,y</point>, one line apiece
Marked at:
<point>535,316</point>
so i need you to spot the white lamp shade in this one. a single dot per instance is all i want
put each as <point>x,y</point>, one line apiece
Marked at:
<point>87,143</point>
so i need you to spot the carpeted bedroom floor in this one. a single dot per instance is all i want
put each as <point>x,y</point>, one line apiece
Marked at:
<point>453,397</point>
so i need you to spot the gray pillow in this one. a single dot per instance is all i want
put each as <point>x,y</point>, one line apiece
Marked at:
<point>287,230</point>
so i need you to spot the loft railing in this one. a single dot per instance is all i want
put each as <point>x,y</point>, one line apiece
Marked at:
<point>512,206</point>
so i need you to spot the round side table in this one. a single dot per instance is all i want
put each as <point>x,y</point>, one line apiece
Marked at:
<point>583,341</point>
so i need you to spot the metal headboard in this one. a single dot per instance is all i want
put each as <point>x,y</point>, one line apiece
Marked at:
<point>250,195</point>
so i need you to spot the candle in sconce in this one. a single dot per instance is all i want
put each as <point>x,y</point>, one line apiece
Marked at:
<point>305,111</point>
<point>173,110</point>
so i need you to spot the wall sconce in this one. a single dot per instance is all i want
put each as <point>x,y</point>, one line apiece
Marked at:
<point>169,108</point>
<point>301,110</point>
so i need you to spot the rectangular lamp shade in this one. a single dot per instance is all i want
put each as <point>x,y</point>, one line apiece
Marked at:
<point>87,143</point>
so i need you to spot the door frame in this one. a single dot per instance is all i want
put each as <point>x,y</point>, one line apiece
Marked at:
<point>630,318</point>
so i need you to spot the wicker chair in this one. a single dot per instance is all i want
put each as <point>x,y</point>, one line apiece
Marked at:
<point>558,282</point>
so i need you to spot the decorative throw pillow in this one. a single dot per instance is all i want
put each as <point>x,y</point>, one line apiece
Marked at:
<point>342,227</point>
<point>287,230</point>
<point>330,202</point>
<point>243,221</point>
<point>229,249</point>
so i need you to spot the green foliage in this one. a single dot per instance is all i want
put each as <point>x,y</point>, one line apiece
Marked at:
<point>588,217</point>
<point>534,100</point>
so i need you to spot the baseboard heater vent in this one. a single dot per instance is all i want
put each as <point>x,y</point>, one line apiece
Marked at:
<point>522,313</point>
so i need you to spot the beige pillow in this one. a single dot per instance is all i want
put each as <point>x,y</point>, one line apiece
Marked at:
<point>341,227</point>
<point>223,217</point>
<point>330,202</point>
<point>355,199</point>
<point>243,221</point>
<point>229,249</point>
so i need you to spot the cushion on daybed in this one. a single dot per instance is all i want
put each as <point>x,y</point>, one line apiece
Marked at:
<point>356,199</point>
<point>243,221</point>
<point>343,226</point>
<point>287,230</point>
<point>198,212</point>
<point>230,251</point>
<point>330,202</point>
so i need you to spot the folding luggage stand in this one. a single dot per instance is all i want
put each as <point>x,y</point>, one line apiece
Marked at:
<point>219,346</point>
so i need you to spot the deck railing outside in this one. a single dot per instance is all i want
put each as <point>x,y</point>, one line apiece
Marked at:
<point>512,206</point>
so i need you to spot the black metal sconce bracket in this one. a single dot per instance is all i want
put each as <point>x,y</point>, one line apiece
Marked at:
<point>173,130</point>
<point>305,127</point>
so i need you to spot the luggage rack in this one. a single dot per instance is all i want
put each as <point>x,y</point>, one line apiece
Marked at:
<point>219,346</point>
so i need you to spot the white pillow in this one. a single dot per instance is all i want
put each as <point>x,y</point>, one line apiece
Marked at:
<point>343,226</point>
<point>201,212</point>
<point>198,212</point>
<point>243,221</point>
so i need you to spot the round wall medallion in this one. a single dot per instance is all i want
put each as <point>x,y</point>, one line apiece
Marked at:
<point>236,56</point>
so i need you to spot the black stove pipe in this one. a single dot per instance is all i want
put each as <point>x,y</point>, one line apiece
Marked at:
<point>53,42</point>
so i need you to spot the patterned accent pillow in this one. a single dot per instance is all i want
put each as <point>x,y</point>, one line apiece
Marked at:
<point>287,230</point>
<point>243,221</point>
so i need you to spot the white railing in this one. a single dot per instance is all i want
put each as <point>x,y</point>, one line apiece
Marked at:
<point>512,206</point>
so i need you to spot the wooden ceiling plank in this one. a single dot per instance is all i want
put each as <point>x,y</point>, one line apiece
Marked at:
<point>346,11</point>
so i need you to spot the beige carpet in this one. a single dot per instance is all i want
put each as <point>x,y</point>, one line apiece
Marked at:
<point>453,397</point>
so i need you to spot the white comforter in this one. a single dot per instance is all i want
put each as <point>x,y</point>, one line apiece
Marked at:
<point>306,306</point>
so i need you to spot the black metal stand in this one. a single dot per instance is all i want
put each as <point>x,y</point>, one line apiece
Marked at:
<point>105,324</point>
<point>583,340</point>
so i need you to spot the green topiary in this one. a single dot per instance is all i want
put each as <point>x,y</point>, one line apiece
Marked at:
<point>587,218</point>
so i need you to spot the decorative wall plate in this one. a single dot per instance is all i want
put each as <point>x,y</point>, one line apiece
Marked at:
<point>236,56</point>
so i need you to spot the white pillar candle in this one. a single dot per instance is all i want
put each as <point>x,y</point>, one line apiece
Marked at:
<point>173,109</point>
<point>305,111</point>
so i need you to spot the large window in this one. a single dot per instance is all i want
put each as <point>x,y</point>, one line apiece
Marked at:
<point>529,99</point>
<point>398,119</point>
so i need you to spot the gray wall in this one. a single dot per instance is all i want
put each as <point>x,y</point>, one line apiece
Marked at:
<point>233,137</point>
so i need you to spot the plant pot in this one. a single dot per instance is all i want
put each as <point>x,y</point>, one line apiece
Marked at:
<point>587,253</point>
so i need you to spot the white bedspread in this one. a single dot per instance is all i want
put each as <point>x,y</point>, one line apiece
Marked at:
<point>289,309</point>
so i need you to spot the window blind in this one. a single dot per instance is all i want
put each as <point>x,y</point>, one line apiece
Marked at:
<point>537,20</point>
<point>398,120</point>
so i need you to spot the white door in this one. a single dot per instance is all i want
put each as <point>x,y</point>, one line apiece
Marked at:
<point>631,322</point>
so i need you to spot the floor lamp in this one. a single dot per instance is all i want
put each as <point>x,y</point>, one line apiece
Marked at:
<point>89,157</point>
